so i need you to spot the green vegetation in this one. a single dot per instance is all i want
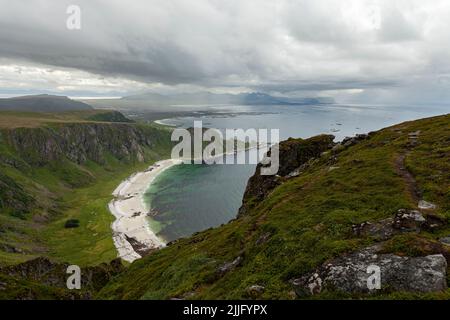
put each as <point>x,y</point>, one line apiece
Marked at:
<point>67,168</point>
<point>109,116</point>
<point>24,119</point>
<point>304,222</point>
<point>91,243</point>
<point>23,288</point>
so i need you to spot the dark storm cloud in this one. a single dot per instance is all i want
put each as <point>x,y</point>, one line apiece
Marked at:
<point>278,46</point>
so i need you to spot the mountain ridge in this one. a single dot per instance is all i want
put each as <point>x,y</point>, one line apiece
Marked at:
<point>205,98</point>
<point>42,103</point>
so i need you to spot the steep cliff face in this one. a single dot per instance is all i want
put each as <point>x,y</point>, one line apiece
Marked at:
<point>81,142</point>
<point>42,168</point>
<point>294,155</point>
<point>65,149</point>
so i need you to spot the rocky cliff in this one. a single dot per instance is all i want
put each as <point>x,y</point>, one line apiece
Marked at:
<point>80,142</point>
<point>295,155</point>
<point>44,165</point>
<point>70,145</point>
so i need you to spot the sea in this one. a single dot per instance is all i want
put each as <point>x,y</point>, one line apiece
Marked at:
<point>189,198</point>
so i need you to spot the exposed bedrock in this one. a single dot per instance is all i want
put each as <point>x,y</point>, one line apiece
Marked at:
<point>350,274</point>
<point>293,154</point>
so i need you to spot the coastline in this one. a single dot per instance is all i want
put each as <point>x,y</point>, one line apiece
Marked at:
<point>132,234</point>
<point>161,123</point>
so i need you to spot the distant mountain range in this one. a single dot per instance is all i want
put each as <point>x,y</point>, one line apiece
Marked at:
<point>42,103</point>
<point>208,98</point>
<point>150,101</point>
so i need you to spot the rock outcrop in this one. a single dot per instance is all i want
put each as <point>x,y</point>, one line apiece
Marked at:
<point>351,274</point>
<point>68,146</point>
<point>255,291</point>
<point>52,276</point>
<point>228,266</point>
<point>80,142</point>
<point>445,240</point>
<point>294,155</point>
<point>405,220</point>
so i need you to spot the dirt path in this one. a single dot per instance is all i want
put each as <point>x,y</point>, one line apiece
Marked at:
<point>410,182</point>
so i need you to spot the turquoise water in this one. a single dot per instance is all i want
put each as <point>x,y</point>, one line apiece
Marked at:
<point>191,198</point>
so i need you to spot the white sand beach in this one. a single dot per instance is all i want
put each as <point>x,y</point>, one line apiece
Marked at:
<point>162,123</point>
<point>131,227</point>
<point>131,212</point>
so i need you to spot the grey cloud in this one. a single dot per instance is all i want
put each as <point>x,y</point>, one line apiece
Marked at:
<point>284,87</point>
<point>395,27</point>
<point>283,46</point>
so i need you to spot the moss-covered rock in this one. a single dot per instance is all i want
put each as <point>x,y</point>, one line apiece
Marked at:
<point>42,278</point>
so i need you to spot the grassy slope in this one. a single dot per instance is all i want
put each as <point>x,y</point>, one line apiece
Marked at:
<point>306,220</point>
<point>15,119</point>
<point>91,243</point>
<point>59,200</point>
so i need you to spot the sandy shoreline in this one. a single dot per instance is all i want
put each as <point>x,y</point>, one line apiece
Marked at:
<point>131,229</point>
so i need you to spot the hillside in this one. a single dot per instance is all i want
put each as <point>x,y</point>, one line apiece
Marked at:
<point>56,168</point>
<point>25,119</point>
<point>42,103</point>
<point>311,231</point>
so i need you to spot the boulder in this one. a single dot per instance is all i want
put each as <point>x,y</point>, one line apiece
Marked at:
<point>425,205</point>
<point>228,266</point>
<point>408,220</point>
<point>350,141</point>
<point>338,148</point>
<point>255,291</point>
<point>405,220</point>
<point>350,274</point>
<point>379,230</point>
<point>263,238</point>
<point>445,240</point>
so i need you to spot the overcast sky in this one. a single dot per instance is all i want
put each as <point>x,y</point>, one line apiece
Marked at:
<point>353,50</point>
